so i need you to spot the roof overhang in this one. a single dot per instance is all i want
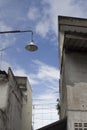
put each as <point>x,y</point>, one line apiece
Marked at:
<point>75,41</point>
<point>72,34</point>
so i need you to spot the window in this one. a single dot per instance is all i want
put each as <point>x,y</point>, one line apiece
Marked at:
<point>80,126</point>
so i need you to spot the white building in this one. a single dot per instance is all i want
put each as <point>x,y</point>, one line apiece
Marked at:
<point>73,71</point>
<point>15,102</point>
<point>73,75</point>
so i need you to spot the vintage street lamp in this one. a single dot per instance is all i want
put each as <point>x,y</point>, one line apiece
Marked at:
<point>31,46</point>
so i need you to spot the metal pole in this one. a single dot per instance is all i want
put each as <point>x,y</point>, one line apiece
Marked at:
<point>16,31</point>
<point>29,47</point>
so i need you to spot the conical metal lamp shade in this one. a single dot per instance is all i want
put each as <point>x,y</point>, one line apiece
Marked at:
<point>31,47</point>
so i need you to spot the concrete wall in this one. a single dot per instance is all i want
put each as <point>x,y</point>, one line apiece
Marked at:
<point>4,88</point>
<point>77,97</point>
<point>69,24</point>
<point>73,88</point>
<point>76,105</point>
<point>27,109</point>
<point>62,90</point>
<point>2,121</point>
<point>76,117</point>
<point>76,67</point>
<point>10,103</point>
<point>14,109</point>
<point>73,71</point>
<point>73,65</point>
<point>15,103</point>
<point>25,87</point>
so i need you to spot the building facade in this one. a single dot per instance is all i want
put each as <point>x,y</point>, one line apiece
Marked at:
<point>73,71</point>
<point>73,75</point>
<point>15,102</point>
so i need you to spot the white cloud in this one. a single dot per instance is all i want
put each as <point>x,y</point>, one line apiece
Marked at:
<point>47,96</point>
<point>46,75</point>
<point>6,40</point>
<point>4,65</point>
<point>33,13</point>
<point>4,27</point>
<point>20,72</point>
<point>48,16</point>
<point>45,70</point>
<point>42,28</point>
<point>37,15</point>
<point>43,73</point>
<point>14,13</point>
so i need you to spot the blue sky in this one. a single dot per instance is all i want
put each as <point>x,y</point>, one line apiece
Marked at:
<point>42,66</point>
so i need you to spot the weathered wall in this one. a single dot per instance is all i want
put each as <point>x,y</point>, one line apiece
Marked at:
<point>62,89</point>
<point>25,87</point>
<point>70,24</point>
<point>73,66</point>
<point>27,108</point>
<point>76,67</point>
<point>2,120</point>
<point>77,97</point>
<point>10,104</point>
<point>77,120</point>
<point>77,105</point>
<point>73,81</point>
<point>4,88</point>
<point>73,89</point>
<point>15,102</point>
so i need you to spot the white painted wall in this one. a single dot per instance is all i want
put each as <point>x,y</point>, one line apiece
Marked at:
<point>27,108</point>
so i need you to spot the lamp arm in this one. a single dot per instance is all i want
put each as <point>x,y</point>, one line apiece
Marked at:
<point>30,47</point>
<point>16,31</point>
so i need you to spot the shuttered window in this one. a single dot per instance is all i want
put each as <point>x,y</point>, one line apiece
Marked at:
<point>80,126</point>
